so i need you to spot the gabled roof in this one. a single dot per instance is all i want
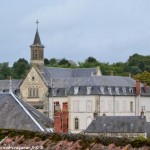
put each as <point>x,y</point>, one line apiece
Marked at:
<point>17,114</point>
<point>117,124</point>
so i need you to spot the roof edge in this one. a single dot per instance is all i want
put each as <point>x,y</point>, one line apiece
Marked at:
<point>27,112</point>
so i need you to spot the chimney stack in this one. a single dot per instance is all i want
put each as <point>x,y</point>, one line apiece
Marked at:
<point>142,114</point>
<point>138,87</point>
<point>61,120</point>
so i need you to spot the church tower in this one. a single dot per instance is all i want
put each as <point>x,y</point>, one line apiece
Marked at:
<point>37,50</point>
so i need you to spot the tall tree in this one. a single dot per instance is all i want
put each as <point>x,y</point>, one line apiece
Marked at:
<point>5,71</point>
<point>143,77</point>
<point>89,63</point>
<point>20,68</point>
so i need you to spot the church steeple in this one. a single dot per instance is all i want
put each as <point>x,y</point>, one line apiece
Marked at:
<point>37,49</point>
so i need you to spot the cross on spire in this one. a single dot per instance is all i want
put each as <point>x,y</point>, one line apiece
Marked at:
<point>37,22</point>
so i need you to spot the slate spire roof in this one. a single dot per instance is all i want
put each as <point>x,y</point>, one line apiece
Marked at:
<point>37,40</point>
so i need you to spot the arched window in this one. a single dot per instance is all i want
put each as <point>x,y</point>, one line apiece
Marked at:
<point>30,92</point>
<point>37,92</point>
<point>33,92</point>
<point>76,121</point>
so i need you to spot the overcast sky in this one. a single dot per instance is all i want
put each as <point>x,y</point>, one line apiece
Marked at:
<point>109,30</point>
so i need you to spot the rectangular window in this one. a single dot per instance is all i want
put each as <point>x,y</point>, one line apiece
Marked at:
<point>142,107</point>
<point>56,106</point>
<point>89,106</point>
<point>76,123</point>
<point>76,106</point>
<point>131,106</point>
<point>102,106</point>
<point>54,92</point>
<point>89,89</point>
<point>117,106</point>
<point>124,106</point>
<point>110,105</point>
<point>76,90</point>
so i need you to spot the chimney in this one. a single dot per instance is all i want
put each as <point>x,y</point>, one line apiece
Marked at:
<point>65,107</point>
<point>138,88</point>
<point>61,120</point>
<point>142,114</point>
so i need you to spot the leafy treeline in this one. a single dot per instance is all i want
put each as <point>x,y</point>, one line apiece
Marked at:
<point>137,66</point>
<point>17,71</point>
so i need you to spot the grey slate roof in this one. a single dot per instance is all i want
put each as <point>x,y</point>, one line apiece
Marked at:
<point>4,85</point>
<point>65,73</point>
<point>95,81</point>
<point>117,124</point>
<point>13,116</point>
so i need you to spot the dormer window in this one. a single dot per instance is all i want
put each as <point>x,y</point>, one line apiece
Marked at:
<point>124,90</point>
<point>89,89</point>
<point>117,90</point>
<point>102,90</point>
<point>66,92</point>
<point>109,90</point>
<point>131,90</point>
<point>54,92</point>
<point>76,90</point>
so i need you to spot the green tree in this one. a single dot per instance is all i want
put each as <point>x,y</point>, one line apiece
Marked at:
<point>5,71</point>
<point>64,63</point>
<point>143,77</point>
<point>141,62</point>
<point>90,62</point>
<point>46,61</point>
<point>52,61</point>
<point>20,68</point>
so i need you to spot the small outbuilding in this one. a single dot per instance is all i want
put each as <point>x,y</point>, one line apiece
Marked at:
<point>119,126</point>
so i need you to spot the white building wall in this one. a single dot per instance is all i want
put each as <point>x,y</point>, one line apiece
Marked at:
<point>82,107</point>
<point>117,105</point>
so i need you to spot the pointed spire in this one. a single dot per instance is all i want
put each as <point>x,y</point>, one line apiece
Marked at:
<point>37,41</point>
<point>37,38</point>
